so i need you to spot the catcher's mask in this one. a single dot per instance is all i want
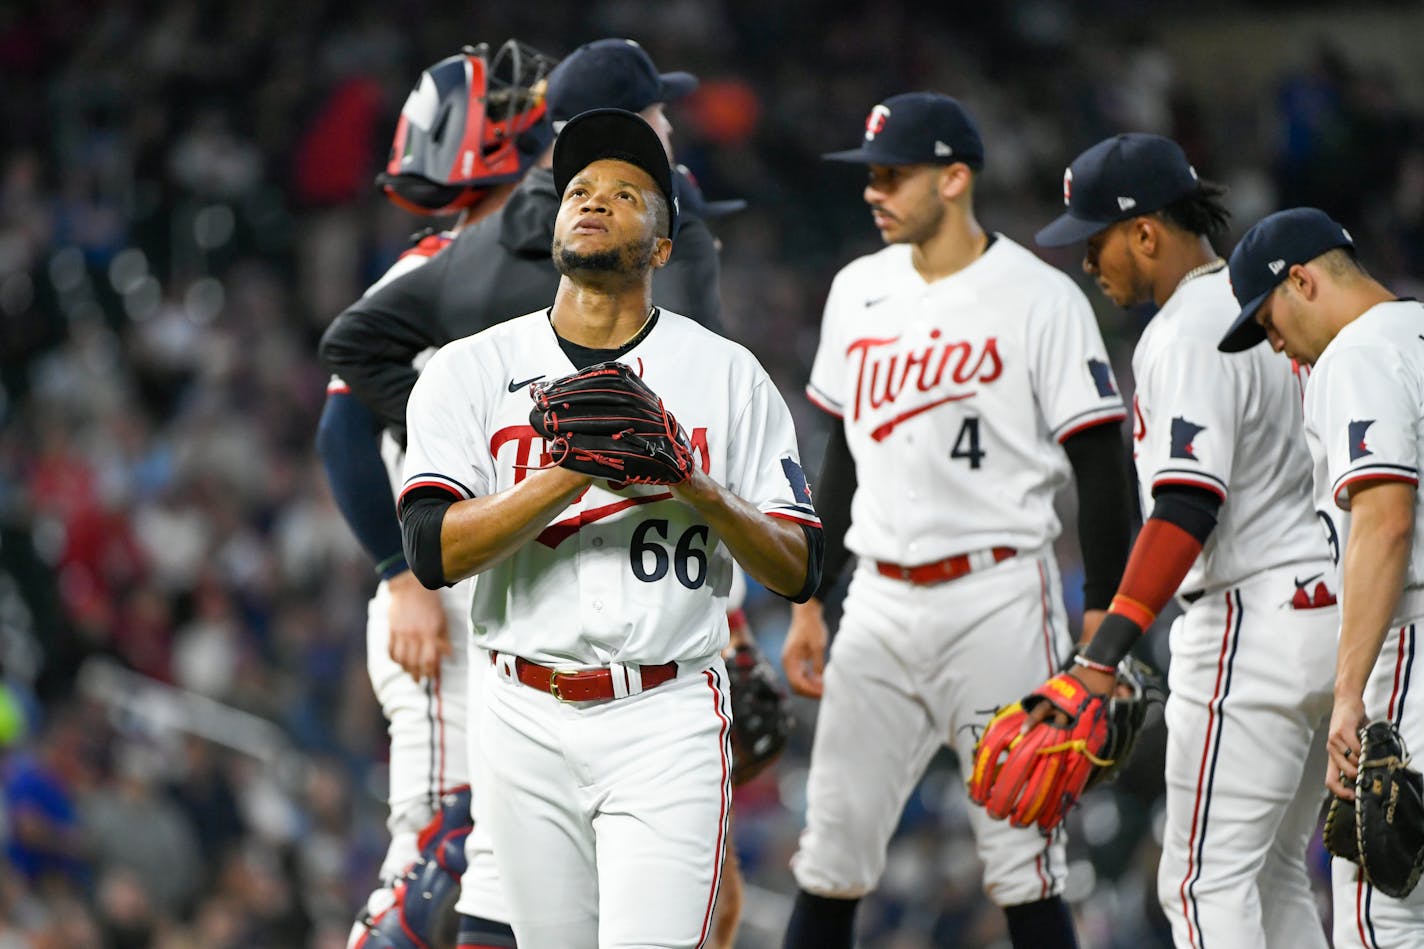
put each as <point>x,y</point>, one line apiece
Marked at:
<point>472,122</point>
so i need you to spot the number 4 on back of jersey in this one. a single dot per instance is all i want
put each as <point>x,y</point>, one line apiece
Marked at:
<point>966,443</point>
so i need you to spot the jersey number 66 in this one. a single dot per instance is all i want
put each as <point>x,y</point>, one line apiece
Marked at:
<point>689,562</point>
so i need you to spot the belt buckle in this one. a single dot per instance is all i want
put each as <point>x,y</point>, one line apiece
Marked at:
<point>554,684</point>
<point>906,573</point>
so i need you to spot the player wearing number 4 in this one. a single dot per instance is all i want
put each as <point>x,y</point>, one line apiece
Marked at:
<point>601,600</point>
<point>1300,286</point>
<point>968,377</point>
<point>1222,470</point>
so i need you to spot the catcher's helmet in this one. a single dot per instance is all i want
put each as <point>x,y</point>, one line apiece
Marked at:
<point>472,122</point>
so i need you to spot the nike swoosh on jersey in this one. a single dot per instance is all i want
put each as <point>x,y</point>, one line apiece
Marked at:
<point>560,531</point>
<point>883,430</point>
<point>1302,584</point>
<point>516,386</point>
<point>872,302</point>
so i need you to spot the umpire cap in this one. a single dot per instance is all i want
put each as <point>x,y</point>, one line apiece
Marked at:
<point>1264,258</point>
<point>1118,179</point>
<point>617,134</point>
<point>611,74</point>
<point>917,128</point>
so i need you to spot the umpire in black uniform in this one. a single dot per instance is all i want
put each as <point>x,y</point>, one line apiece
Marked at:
<point>500,267</point>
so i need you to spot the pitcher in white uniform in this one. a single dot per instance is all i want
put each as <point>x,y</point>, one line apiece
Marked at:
<point>968,377</point>
<point>1230,530</point>
<point>1299,285</point>
<point>609,813</point>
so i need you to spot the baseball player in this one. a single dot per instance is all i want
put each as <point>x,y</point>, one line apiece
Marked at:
<point>498,266</point>
<point>1231,530</point>
<point>602,603</point>
<point>1299,285</point>
<point>466,164</point>
<point>968,377</point>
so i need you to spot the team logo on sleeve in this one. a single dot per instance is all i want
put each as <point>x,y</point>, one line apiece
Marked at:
<point>1183,434</point>
<point>1358,449</point>
<point>800,490</point>
<point>1102,377</point>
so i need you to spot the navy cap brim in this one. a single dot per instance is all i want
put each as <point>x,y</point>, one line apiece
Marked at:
<point>675,85</point>
<point>1068,228</point>
<point>864,156</point>
<point>1245,333</point>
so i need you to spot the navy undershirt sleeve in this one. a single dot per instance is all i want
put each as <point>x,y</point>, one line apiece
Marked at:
<point>1105,505</point>
<point>834,491</point>
<point>422,514</point>
<point>348,440</point>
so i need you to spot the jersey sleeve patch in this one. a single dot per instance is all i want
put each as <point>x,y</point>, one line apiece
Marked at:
<point>1358,448</point>
<point>1102,378</point>
<point>796,478</point>
<point>824,402</point>
<point>1184,433</point>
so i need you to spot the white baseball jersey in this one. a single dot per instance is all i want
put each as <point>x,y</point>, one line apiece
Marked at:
<point>1364,421</point>
<point>628,576</point>
<point>953,394</point>
<point>1226,423</point>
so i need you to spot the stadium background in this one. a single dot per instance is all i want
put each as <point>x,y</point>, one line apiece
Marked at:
<point>190,755</point>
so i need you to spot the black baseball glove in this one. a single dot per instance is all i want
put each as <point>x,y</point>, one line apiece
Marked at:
<point>606,422</point>
<point>1138,687</point>
<point>1384,831</point>
<point>761,718</point>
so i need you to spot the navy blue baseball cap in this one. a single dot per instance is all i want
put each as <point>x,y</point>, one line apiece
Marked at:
<point>617,134</point>
<point>917,128</point>
<point>1118,179</point>
<point>1265,256</point>
<point>611,74</point>
<point>693,204</point>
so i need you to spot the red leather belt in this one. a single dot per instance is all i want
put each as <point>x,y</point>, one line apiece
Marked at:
<point>588,685</point>
<point>950,568</point>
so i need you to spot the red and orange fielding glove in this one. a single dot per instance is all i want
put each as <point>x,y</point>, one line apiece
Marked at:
<point>1036,776</point>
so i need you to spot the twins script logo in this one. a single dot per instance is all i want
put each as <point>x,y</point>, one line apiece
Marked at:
<point>884,373</point>
<point>524,438</point>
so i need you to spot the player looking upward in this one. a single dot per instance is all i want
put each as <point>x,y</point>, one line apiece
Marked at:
<point>604,740</point>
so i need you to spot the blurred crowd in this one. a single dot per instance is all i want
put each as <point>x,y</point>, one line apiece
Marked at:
<point>190,755</point>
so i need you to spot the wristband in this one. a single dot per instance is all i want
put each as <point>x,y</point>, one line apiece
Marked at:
<point>1112,642</point>
<point>1086,663</point>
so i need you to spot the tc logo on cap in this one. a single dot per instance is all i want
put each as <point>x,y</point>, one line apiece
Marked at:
<point>875,122</point>
<point>1067,185</point>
